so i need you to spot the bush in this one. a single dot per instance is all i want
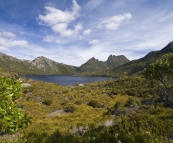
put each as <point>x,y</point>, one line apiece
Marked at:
<point>117,105</point>
<point>94,104</point>
<point>131,102</point>
<point>47,102</point>
<point>78,102</point>
<point>11,117</point>
<point>70,109</point>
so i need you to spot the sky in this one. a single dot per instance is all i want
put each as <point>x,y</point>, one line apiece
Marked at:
<point>73,31</point>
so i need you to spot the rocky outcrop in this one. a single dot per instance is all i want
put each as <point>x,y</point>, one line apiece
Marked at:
<point>44,63</point>
<point>117,59</point>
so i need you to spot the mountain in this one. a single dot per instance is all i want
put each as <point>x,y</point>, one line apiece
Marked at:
<point>44,66</point>
<point>38,66</point>
<point>94,65</point>
<point>121,59</point>
<point>138,65</point>
<point>113,66</point>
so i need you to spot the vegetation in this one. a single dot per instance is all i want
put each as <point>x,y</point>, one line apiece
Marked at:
<point>162,72</point>
<point>11,117</point>
<point>127,110</point>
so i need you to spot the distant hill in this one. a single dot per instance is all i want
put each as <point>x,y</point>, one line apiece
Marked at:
<point>38,66</point>
<point>113,66</point>
<point>137,66</point>
<point>94,65</point>
<point>44,66</point>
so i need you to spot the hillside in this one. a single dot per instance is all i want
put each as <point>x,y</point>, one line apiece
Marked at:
<point>39,65</point>
<point>94,65</point>
<point>44,66</point>
<point>113,66</point>
<point>138,65</point>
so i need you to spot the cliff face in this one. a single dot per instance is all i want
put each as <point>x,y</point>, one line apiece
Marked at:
<point>117,59</point>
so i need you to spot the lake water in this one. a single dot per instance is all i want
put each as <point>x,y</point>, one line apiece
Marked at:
<point>67,80</point>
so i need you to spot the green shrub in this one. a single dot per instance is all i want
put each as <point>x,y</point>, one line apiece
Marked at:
<point>47,102</point>
<point>117,105</point>
<point>131,102</point>
<point>11,117</point>
<point>94,104</point>
<point>70,109</point>
<point>78,102</point>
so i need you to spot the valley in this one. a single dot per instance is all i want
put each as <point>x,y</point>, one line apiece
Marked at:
<point>132,109</point>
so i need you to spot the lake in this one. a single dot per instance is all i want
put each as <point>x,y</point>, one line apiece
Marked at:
<point>67,80</point>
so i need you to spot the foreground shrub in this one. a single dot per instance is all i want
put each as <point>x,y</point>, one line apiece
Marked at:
<point>11,117</point>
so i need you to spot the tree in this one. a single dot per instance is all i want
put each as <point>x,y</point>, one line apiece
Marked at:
<point>162,72</point>
<point>11,117</point>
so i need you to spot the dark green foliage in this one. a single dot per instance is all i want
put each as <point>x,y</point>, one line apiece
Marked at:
<point>78,102</point>
<point>117,105</point>
<point>70,109</point>
<point>131,102</point>
<point>47,102</point>
<point>162,72</point>
<point>94,104</point>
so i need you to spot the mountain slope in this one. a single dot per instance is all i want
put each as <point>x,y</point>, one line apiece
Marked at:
<point>113,66</point>
<point>40,65</point>
<point>94,65</point>
<point>136,66</point>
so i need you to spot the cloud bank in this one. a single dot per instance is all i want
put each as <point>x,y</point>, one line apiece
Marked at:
<point>59,20</point>
<point>112,23</point>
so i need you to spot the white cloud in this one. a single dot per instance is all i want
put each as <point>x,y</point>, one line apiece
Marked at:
<point>87,32</point>
<point>7,34</point>
<point>92,4</point>
<point>7,43</point>
<point>59,20</point>
<point>3,48</point>
<point>93,42</point>
<point>112,23</point>
<point>60,41</point>
<point>53,39</point>
<point>49,39</point>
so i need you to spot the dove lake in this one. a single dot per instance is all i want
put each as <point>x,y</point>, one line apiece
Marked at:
<point>67,80</point>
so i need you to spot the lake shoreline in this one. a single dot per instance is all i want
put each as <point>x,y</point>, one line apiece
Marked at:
<point>67,80</point>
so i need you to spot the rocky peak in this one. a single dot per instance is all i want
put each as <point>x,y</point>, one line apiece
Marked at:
<point>40,58</point>
<point>42,62</point>
<point>167,49</point>
<point>117,59</point>
<point>93,60</point>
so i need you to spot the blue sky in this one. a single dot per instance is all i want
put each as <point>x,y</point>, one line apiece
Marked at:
<point>73,31</point>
